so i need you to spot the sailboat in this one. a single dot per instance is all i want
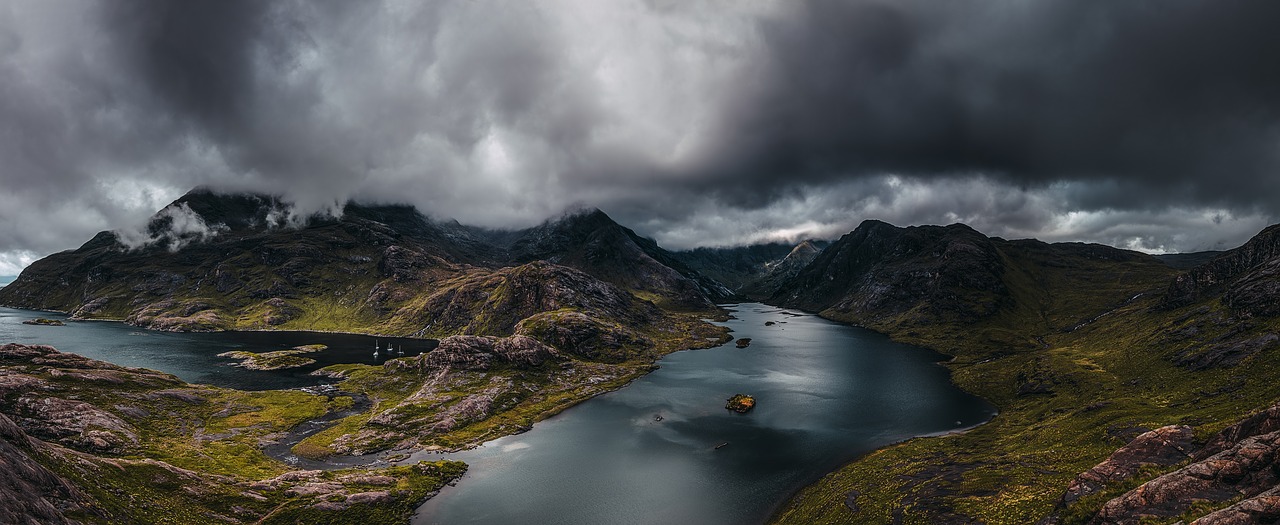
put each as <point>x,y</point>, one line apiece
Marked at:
<point>375,348</point>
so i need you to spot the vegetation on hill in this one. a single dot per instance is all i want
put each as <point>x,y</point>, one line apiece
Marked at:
<point>1077,345</point>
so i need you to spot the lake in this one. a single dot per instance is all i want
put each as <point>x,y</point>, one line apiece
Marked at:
<point>661,450</point>
<point>647,454</point>
<point>194,356</point>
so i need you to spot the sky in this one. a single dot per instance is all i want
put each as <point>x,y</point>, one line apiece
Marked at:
<point>1150,125</point>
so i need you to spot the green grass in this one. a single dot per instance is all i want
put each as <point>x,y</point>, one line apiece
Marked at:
<point>1114,373</point>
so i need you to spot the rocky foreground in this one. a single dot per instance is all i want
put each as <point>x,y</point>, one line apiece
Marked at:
<point>1233,478</point>
<point>83,441</point>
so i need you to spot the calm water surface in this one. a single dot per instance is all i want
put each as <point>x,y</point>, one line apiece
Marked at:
<point>826,393</point>
<point>645,454</point>
<point>194,356</point>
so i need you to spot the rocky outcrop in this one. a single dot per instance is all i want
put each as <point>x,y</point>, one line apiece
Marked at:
<point>494,303</point>
<point>1263,508</point>
<point>777,273</point>
<point>31,494</point>
<point>583,336</point>
<point>469,352</point>
<point>1163,446</point>
<point>1246,469</point>
<point>74,423</point>
<point>1237,470</point>
<point>1248,278</point>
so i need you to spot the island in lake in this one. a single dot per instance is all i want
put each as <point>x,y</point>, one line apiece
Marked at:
<point>277,360</point>
<point>40,321</point>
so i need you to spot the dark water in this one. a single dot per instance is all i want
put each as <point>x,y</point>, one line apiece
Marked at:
<point>194,356</point>
<point>826,393</point>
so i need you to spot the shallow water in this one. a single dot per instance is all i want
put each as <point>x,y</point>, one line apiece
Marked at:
<point>194,356</point>
<point>646,454</point>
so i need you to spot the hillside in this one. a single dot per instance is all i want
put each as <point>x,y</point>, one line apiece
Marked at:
<point>219,262</point>
<point>755,271</point>
<point>531,322</point>
<point>1083,348</point>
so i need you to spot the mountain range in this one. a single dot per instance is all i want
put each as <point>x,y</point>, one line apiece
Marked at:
<point>1117,374</point>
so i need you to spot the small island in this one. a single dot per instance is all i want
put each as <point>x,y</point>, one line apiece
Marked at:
<point>744,342</point>
<point>277,360</point>
<point>741,403</point>
<point>40,321</point>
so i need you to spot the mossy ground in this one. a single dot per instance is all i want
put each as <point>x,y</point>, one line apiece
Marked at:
<point>541,392</point>
<point>1076,370</point>
<point>199,446</point>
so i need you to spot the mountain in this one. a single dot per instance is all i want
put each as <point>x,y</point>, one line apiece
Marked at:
<point>736,266</point>
<point>754,271</point>
<point>1187,261</point>
<point>210,261</point>
<point>884,276</point>
<point>1110,370</point>
<point>1247,278</point>
<point>592,242</point>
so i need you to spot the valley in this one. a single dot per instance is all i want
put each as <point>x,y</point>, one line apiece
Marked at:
<point>1084,349</point>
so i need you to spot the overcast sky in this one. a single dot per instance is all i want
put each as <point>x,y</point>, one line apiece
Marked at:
<point>1141,124</point>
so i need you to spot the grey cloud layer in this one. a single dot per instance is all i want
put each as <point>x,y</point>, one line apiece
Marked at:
<point>1145,124</point>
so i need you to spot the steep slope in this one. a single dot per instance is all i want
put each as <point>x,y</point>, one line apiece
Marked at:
<point>778,273</point>
<point>737,266</point>
<point>757,271</point>
<point>1096,347</point>
<point>31,494</point>
<point>1247,278</point>
<point>592,242</point>
<point>879,271</point>
<point>216,262</point>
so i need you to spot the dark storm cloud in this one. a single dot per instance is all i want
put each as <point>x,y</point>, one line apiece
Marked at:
<point>1161,95</point>
<point>1145,124</point>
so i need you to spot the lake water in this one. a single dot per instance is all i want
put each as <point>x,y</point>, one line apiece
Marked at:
<point>647,454</point>
<point>194,356</point>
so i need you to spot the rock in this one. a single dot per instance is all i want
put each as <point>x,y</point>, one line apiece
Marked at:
<point>743,342</point>
<point>40,321</point>
<point>741,403</point>
<point>851,500</point>
<point>470,352</point>
<point>29,492</point>
<point>1263,508</point>
<point>583,336</point>
<point>1161,447</point>
<point>277,360</point>
<point>367,479</point>
<point>75,423</point>
<point>17,351</point>
<point>1246,469</point>
<point>1263,422</point>
<point>380,496</point>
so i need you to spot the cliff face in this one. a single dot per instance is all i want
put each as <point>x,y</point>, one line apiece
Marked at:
<point>1246,278</point>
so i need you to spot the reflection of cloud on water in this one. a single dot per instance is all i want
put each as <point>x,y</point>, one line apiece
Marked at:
<point>512,447</point>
